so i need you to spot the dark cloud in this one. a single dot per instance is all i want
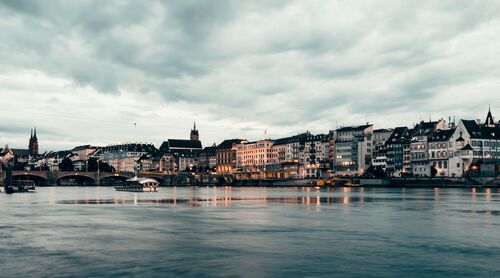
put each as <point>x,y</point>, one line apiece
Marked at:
<point>281,63</point>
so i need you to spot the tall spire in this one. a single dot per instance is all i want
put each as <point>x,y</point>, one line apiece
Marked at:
<point>489,118</point>
<point>194,136</point>
<point>34,134</point>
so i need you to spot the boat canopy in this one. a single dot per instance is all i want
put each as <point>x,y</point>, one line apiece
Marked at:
<point>143,180</point>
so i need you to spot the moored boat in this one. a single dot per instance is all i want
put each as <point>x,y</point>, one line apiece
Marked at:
<point>20,186</point>
<point>139,185</point>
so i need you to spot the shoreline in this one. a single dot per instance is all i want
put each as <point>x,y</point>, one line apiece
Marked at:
<point>307,186</point>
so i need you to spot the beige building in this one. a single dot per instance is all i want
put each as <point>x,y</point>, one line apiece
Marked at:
<point>253,157</point>
<point>83,152</point>
<point>225,155</point>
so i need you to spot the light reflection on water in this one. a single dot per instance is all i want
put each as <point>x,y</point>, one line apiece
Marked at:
<point>237,231</point>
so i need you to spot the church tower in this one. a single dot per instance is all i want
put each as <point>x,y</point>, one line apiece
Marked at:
<point>33,146</point>
<point>194,136</point>
<point>490,122</point>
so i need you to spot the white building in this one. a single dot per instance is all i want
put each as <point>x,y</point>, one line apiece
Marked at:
<point>474,141</point>
<point>353,149</point>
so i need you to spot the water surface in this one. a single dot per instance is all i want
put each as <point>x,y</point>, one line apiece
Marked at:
<point>251,232</point>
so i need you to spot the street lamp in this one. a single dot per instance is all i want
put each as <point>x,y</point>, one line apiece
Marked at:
<point>98,173</point>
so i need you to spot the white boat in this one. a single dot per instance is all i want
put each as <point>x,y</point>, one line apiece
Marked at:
<point>139,185</point>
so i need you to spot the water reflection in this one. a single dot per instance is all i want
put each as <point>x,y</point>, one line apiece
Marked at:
<point>227,201</point>
<point>485,212</point>
<point>230,196</point>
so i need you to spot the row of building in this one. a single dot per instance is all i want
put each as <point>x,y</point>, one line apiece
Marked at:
<point>429,148</point>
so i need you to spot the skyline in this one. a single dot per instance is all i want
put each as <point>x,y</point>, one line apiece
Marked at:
<point>265,134</point>
<point>83,74</point>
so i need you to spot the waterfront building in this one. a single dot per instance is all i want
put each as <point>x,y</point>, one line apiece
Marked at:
<point>419,152</point>
<point>207,160</point>
<point>353,149</point>
<point>440,152</point>
<point>474,143</point>
<point>332,136</point>
<point>314,161</point>
<point>79,165</point>
<point>180,154</point>
<point>398,152</point>
<point>252,158</point>
<point>54,158</point>
<point>149,162</point>
<point>168,163</point>
<point>380,137</point>
<point>301,156</point>
<point>84,152</point>
<point>179,160</point>
<point>226,155</point>
<point>21,156</point>
<point>286,155</point>
<point>379,160</point>
<point>123,157</point>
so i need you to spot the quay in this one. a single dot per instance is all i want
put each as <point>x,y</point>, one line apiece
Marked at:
<point>62,178</point>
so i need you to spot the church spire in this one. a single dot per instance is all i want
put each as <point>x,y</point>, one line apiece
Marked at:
<point>194,136</point>
<point>33,145</point>
<point>489,119</point>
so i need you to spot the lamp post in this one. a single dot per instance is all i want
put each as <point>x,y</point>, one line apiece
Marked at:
<point>98,173</point>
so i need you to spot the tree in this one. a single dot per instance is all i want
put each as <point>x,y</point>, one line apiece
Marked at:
<point>375,172</point>
<point>105,167</point>
<point>92,164</point>
<point>433,171</point>
<point>66,165</point>
<point>18,166</point>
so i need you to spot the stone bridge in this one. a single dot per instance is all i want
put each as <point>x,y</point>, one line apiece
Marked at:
<point>81,178</point>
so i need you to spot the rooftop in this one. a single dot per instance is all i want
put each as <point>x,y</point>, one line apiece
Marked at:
<point>354,128</point>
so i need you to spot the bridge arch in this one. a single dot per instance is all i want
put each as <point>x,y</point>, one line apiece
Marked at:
<point>113,179</point>
<point>75,179</point>
<point>38,179</point>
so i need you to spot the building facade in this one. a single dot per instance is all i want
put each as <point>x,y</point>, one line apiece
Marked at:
<point>225,155</point>
<point>207,160</point>
<point>419,148</point>
<point>353,149</point>
<point>398,152</point>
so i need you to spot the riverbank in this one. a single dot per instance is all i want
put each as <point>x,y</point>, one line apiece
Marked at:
<point>381,183</point>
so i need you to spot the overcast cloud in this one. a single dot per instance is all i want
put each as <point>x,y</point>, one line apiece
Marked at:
<point>86,71</point>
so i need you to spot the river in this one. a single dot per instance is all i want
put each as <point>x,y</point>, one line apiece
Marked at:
<point>251,232</point>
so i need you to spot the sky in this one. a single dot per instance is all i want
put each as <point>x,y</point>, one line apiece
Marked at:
<point>107,72</point>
